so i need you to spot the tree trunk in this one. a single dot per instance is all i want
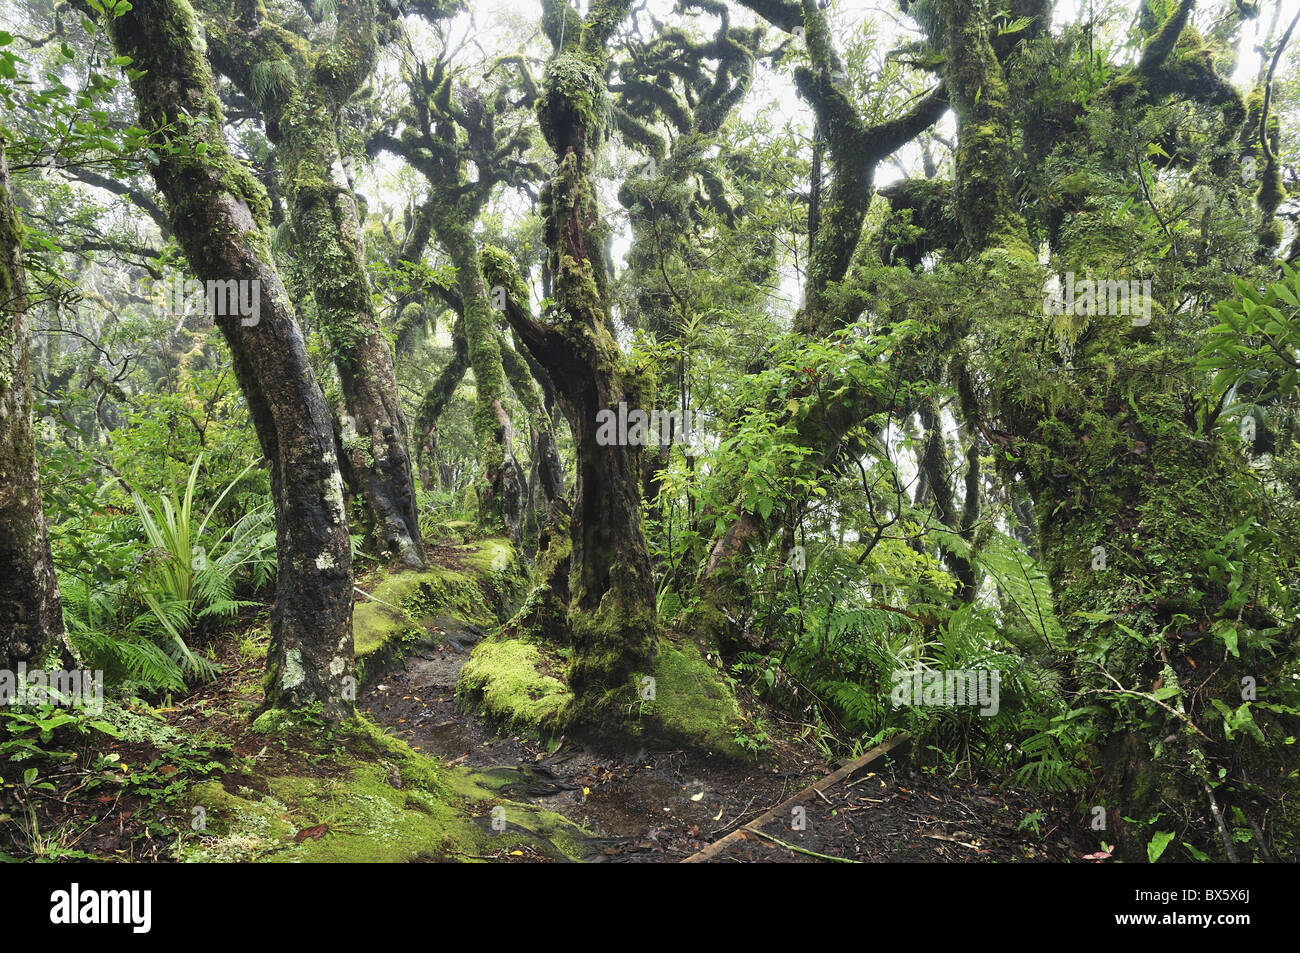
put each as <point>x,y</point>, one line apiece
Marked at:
<point>219,213</point>
<point>300,96</point>
<point>323,214</point>
<point>435,401</point>
<point>31,620</point>
<point>1131,497</point>
<point>548,473</point>
<point>612,604</point>
<point>499,494</point>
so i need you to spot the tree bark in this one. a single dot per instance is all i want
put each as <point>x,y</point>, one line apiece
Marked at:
<point>499,493</point>
<point>31,618</point>
<point>219,213</point>
<point>300,91</point>
<point>612,606</point>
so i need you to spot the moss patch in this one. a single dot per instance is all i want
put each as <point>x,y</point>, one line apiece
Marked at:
<point>505,680</point>
<point>375,801</point>
<point>692,703</point>
<point>518,685</point>
<point>403,605</point>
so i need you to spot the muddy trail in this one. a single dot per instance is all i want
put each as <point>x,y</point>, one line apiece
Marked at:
<point>660,805</point>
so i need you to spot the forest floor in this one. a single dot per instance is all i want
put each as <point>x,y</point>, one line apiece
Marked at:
<point>663,805</point>
<point>653,805</point>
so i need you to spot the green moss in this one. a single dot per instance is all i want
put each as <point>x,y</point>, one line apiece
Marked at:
<point>403,599</point>
<point>501,270</point>
<point>504,681</point>
<point>575,95</point>
<point>381,802</point>
<point>272,721</point>
<point>404,603</point>
<point>517,683</point>
<point>693,704</point>
<point>494,555</point>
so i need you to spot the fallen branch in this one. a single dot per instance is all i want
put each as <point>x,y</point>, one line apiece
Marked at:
<point>803,850</point>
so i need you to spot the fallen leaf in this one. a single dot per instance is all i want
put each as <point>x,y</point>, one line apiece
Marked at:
<point>315,833</point>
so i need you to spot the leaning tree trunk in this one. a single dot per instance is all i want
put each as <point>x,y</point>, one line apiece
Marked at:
<point>301,90</point>
<point>220,214</point>
<point>612,607</point>
<point>31,622</point>
<point>435,402</point>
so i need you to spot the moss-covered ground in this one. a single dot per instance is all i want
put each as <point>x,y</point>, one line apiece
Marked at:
<point>364,796</point>
<point>518,683</point>
<point>476,582</point>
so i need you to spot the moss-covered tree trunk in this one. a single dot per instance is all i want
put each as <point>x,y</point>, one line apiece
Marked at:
<point>31,621</point>
<point>301,91</point>
<point>500,492</point>
<point>219,213</point>
<point>612,606</point>
<point>327,232</point>
<point>547,467</point>
<point>435,402</point>
<point>854,149</point>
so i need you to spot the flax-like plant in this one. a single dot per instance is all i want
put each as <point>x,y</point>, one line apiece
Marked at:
<point>186,580</point>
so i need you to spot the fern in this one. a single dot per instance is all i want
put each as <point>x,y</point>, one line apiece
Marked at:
<point>91,615</point>
<point>269,80</point>
<point>182,582</point>
<point>1023,585</point>
<point>1048,767</point>
<point>123,657</point>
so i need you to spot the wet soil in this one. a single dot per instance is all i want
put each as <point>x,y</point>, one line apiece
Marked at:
<point>663,805</point>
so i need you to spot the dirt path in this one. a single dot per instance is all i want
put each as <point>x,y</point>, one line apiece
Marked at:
<point>654,805</point>
<point>666,805</point>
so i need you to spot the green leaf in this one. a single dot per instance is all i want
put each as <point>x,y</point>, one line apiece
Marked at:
<point>1230,640</point>
<point>1158,844</point>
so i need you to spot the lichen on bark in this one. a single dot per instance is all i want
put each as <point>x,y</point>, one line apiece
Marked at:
<point>219,214</point>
